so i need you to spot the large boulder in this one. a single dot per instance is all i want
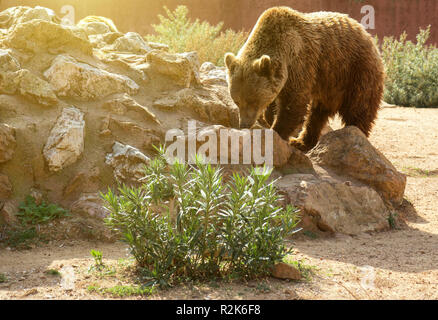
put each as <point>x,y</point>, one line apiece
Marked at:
<point>38,36</point>
<point>224,145</point>
<point>84,82</point>
<point>66,141</point>
<point>349,153</point>
<point>334,205</point>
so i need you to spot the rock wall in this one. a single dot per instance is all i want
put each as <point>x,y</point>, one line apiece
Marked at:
<point>81,107</point>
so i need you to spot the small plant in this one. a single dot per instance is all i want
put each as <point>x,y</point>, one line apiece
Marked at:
<point>411,71</point>
<point>305,269</point>
<point>392,220</point>
<point>97,256</point>
<point>52,272</point>
<point>32,214</point>
<point>214,229</point>
<point>2,278</point>
<point>183,35</point>
<point>310,234</point>
<point>21,237</point>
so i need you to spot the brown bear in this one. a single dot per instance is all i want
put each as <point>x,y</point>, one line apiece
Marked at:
<point>298,67</point>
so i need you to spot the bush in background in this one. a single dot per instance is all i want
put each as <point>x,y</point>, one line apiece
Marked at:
<point>183,35</point>
<point>186,222</point>
<point>411,71</point>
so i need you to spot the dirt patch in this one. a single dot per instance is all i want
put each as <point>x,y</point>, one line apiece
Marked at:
<point>400,264</point>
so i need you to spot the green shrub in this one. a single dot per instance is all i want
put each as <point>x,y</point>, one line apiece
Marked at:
<point>411,71</point>
<point>25,234</point>
<point>183,35</point>
<point>206,227</point>
<point>31,214</point>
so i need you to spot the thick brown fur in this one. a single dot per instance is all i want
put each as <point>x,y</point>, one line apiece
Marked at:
<point>307,68</point>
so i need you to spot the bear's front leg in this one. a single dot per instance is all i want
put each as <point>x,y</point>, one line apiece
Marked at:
<point>313,125</point>
<point>290,115</point>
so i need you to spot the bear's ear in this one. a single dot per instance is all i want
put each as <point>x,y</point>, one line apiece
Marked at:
<point>263,66</point>
<point>230,60</point>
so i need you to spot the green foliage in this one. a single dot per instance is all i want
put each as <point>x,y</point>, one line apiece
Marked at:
<point>21,237</point>
<point>392,220</point>
<point>183,35</point>
<point>29,215</point>
<point>53,272</point>
<point>2,278</point>
<point>32,214</point>
<point>204,228</point>
<point>121,291</point>
<point>412,71</point>
<point>97,256</point>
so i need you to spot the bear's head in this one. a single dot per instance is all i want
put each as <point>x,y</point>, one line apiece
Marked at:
<point>254,85</point>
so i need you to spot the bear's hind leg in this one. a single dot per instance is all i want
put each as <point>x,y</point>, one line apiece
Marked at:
<point>313,125</point>
<point>360,110</point>
<point>363,96</point>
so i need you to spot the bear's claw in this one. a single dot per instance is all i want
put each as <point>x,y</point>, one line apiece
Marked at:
<point>299,144</point>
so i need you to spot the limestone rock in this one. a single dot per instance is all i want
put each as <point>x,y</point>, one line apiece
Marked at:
<point>182,68</point>
<point>286,271</point>
<point>349,153</point>
<point>235,146</point>
<point>94,27</point>
<point>134,65</point>
<point>122,103</point>
<point>130,42</point>
<point>90,205</point>
<point>39,36</point>
<point>211,105</point>
<point>297,162</point>
<point>8,211</point>
<point>70,78</point>
<point>29,85</point>
<point>7,62</point>
<point>9,16</point>
<point>38,13</point>
<point>127,162</point>
<point>7,142</point>
<point>21,14</point>
<point>334,205</point>
<point>37,195</point>
<point>145,138</point>
<point>66,141</point>
<point>5,187</point>
<point>158,46</point>
<point>213,75</point>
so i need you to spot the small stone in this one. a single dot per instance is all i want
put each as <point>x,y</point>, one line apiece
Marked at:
<point>286,271</point>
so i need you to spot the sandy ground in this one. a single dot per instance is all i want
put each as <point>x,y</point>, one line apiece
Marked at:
<point>399,264</point>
